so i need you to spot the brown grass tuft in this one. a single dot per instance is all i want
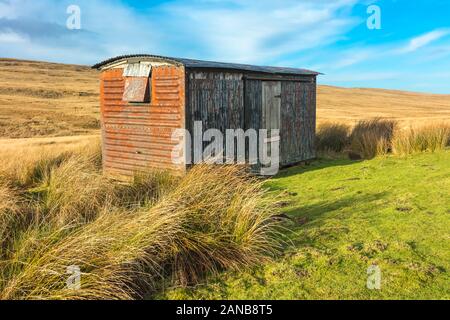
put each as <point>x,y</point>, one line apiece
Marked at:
<point>214,218</point>
<point>371,138</point>
<point>8,210</point>
<point>426,138</point>
<point>228,223</point>
<point>332,137</point>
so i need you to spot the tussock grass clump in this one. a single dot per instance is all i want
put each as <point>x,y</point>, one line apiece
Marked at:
<point>214,218</point>
<point>8,211</point>
<point>228,222</point>
<point>145,189</point>
<point>427,138</point>
<point>116,253</point>
<point>332,137</point>
<point>371,138</point>
<point>25,166</point>
<point>378,137</point>
<point>73,191</point>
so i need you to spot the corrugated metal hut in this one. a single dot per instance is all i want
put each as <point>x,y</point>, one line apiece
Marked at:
<point>145,98</point>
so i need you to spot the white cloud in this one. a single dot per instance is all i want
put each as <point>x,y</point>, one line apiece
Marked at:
<point>424,40</point>
<point>352,57</point>
<point>257,31</point>
<point>366,55</point>
<point>109,28</point>
<point>236,30</point>
<point>294,33</point>
<point>10,37</point>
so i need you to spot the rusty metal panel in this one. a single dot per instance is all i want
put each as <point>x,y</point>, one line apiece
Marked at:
<point>138,136</point>
<point>137,70</point>
<point>136,89</point>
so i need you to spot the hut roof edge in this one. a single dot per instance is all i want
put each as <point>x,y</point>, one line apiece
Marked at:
<point>191,63</point>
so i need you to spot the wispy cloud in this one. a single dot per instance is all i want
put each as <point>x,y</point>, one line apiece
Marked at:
<point>324,35</point>
<point>367,54</point>
<point>236,30</point>
<point>257,31</point>
<point>424,40</point>
<point>11,37</point>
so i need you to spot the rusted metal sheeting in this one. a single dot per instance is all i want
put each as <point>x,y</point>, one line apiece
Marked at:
<point>138,136</point>
<point>137,70</point>
<point>136,89</point>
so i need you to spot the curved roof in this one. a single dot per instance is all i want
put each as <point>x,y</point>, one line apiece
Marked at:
<point>190,63</point>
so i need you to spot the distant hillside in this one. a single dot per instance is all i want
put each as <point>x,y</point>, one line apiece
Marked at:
<point>49,99</point>
<point>349,105</point>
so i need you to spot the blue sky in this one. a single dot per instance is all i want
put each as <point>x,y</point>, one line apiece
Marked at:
<point>410,52</point>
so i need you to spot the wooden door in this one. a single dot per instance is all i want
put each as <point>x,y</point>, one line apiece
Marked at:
<point>271,118</point>
<point>271,105</point>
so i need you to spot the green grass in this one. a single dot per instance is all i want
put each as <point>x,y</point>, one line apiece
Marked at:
<point>391,212</point>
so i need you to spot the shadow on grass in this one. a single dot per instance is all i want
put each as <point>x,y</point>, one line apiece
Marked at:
<point>315,165</point>
<point>310,219</point>
<point>317,210</point>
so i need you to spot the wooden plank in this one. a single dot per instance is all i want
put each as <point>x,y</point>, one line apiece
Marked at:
<point>298,122</point>
<point>305,79</point>
<point>271,104</point>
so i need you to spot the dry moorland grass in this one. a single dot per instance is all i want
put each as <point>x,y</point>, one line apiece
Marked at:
<point>47,99</point>
<point>368,139</point>
<point>57,210</point>
<point>351,105</point>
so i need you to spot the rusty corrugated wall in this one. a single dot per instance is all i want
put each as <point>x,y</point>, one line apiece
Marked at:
<point>138,136</point>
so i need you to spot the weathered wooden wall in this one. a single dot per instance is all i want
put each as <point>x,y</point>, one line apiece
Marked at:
<point>253,104</point>
<point>298,121</point>
<point>230,101</point>
<point>216,99</point>
<point>298,117</point>
<point>138,137</point>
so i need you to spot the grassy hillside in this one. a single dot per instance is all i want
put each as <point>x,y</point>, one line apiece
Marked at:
<point>351,105</point>
<point>346,216</point>
<point>47,99</point>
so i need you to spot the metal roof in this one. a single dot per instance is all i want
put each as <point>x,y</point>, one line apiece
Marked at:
<point>190,63</point>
